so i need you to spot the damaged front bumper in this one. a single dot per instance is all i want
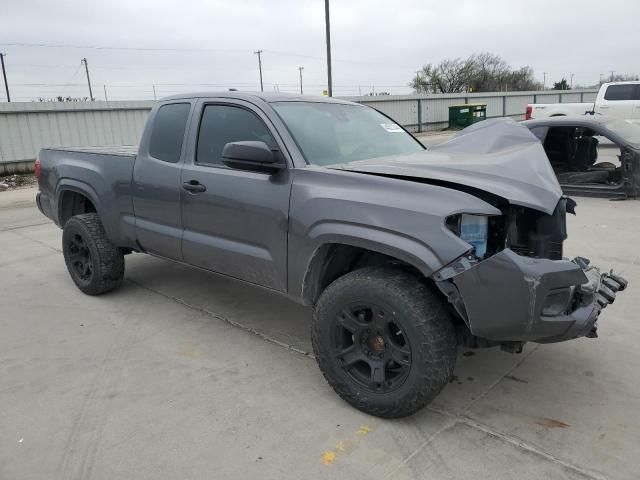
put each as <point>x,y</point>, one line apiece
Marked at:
<point>513,298</point>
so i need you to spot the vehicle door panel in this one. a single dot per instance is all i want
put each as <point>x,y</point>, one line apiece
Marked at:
<point>156,185</point>
<point>238,225</point>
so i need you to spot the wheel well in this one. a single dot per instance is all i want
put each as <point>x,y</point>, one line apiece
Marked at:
<point>73,203</point>
<point>335,260</point>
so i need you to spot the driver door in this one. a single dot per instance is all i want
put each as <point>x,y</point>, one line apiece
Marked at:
<point>235,221</point>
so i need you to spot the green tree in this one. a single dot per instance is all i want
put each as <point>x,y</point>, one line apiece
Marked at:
<point>561,85</point>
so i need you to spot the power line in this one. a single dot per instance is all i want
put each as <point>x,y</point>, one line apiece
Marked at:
<point>141,49</point>
<point>195,49</point>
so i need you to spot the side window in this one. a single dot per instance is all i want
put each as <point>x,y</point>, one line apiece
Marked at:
<point>620,92</point>
<point>168,132</point>
<point>222,124</point>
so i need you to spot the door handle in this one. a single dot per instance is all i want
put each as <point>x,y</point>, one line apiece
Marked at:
<point>194,186</point>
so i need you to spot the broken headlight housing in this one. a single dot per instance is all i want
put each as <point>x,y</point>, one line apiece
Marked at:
<point>473,229</point>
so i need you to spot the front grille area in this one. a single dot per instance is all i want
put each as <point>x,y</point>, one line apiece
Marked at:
<point>535,234</point>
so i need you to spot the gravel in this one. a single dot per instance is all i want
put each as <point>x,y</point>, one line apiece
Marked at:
<point>11,182</point>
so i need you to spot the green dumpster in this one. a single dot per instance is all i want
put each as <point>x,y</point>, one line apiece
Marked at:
<point>461,116</point>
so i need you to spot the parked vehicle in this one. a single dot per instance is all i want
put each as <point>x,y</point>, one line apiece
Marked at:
<point>592,155</point>
<point>616,100</point>
<point>403,253</point>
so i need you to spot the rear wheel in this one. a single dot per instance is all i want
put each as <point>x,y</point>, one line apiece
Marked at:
<point>94,263</point>
<point>383,341</point>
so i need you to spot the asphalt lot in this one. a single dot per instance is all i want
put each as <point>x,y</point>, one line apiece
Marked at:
<point>184,374</point>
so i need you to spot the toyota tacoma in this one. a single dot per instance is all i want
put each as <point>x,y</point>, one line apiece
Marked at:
<point>403,253</point>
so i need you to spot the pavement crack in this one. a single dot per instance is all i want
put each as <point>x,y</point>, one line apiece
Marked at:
<point>227,320</point>
<point>18,227</point>
<point>516,442</point>
<point>502,377</point>
<point>423,445</point>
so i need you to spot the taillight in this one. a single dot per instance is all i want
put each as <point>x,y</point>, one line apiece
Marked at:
<point>527,114</point>
<point>36,170</point>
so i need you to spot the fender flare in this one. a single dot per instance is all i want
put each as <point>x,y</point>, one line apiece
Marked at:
<point>392,244</point>
<point>77,186</point>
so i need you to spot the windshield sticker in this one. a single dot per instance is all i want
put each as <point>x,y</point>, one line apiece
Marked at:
<point>392,127</point>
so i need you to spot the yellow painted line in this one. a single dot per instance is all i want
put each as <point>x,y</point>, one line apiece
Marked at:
<point>328,457</point>
<point>344,447</point>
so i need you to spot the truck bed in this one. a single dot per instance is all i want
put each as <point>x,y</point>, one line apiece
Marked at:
<point>117,150</point>
<point>103,174</point>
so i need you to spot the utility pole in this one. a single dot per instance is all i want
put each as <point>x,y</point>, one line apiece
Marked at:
<point>327,25</point>
<point>4,75</point>
<point>86,69</point>
<point>571,86</point>
<point>418,81</point>
<point>600,79</point>
<point>612,72</point>
<point>300,68</point>
<point>544,81</point>
<point>259,53</point>
<point>106,99</point>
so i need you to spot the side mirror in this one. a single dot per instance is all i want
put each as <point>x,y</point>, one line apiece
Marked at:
<point>251,155</point>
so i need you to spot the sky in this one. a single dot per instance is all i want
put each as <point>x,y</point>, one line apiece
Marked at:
<point>206,45</point>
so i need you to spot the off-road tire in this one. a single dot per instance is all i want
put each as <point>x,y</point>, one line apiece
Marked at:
<point>105,260</point>
<point>422,316</point>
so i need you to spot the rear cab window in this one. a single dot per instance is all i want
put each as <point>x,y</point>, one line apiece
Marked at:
<point>167,134</point>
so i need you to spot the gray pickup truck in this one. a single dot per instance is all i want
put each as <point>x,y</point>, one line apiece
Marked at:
<point>404,253</point>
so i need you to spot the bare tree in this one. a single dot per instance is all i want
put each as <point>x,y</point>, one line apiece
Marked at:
<point>481,72</point>
<point>625,78</point>
<point>449,76</point>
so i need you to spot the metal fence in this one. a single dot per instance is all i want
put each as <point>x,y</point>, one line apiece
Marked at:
<point>421,113</point>
<point>25,128</point>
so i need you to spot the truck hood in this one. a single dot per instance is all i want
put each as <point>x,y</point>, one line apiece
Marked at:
<point>497,156</point>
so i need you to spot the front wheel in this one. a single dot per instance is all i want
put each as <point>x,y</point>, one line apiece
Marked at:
<point>384,341</point>
<point>94,263</point>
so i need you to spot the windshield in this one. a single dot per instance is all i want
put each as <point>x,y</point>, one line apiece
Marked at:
<point>628,131</point>
<point>334,133</point>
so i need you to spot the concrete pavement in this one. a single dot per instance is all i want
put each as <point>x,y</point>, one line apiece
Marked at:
<point>185,374</point>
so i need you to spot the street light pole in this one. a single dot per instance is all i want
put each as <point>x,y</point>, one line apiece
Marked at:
<point>4,75</point>
<point>327,24</point>
<point>259,53</point>
<point>300,68</point>
<point>86,69</point>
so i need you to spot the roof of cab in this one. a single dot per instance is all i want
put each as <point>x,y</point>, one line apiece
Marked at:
<point>253,96</point>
